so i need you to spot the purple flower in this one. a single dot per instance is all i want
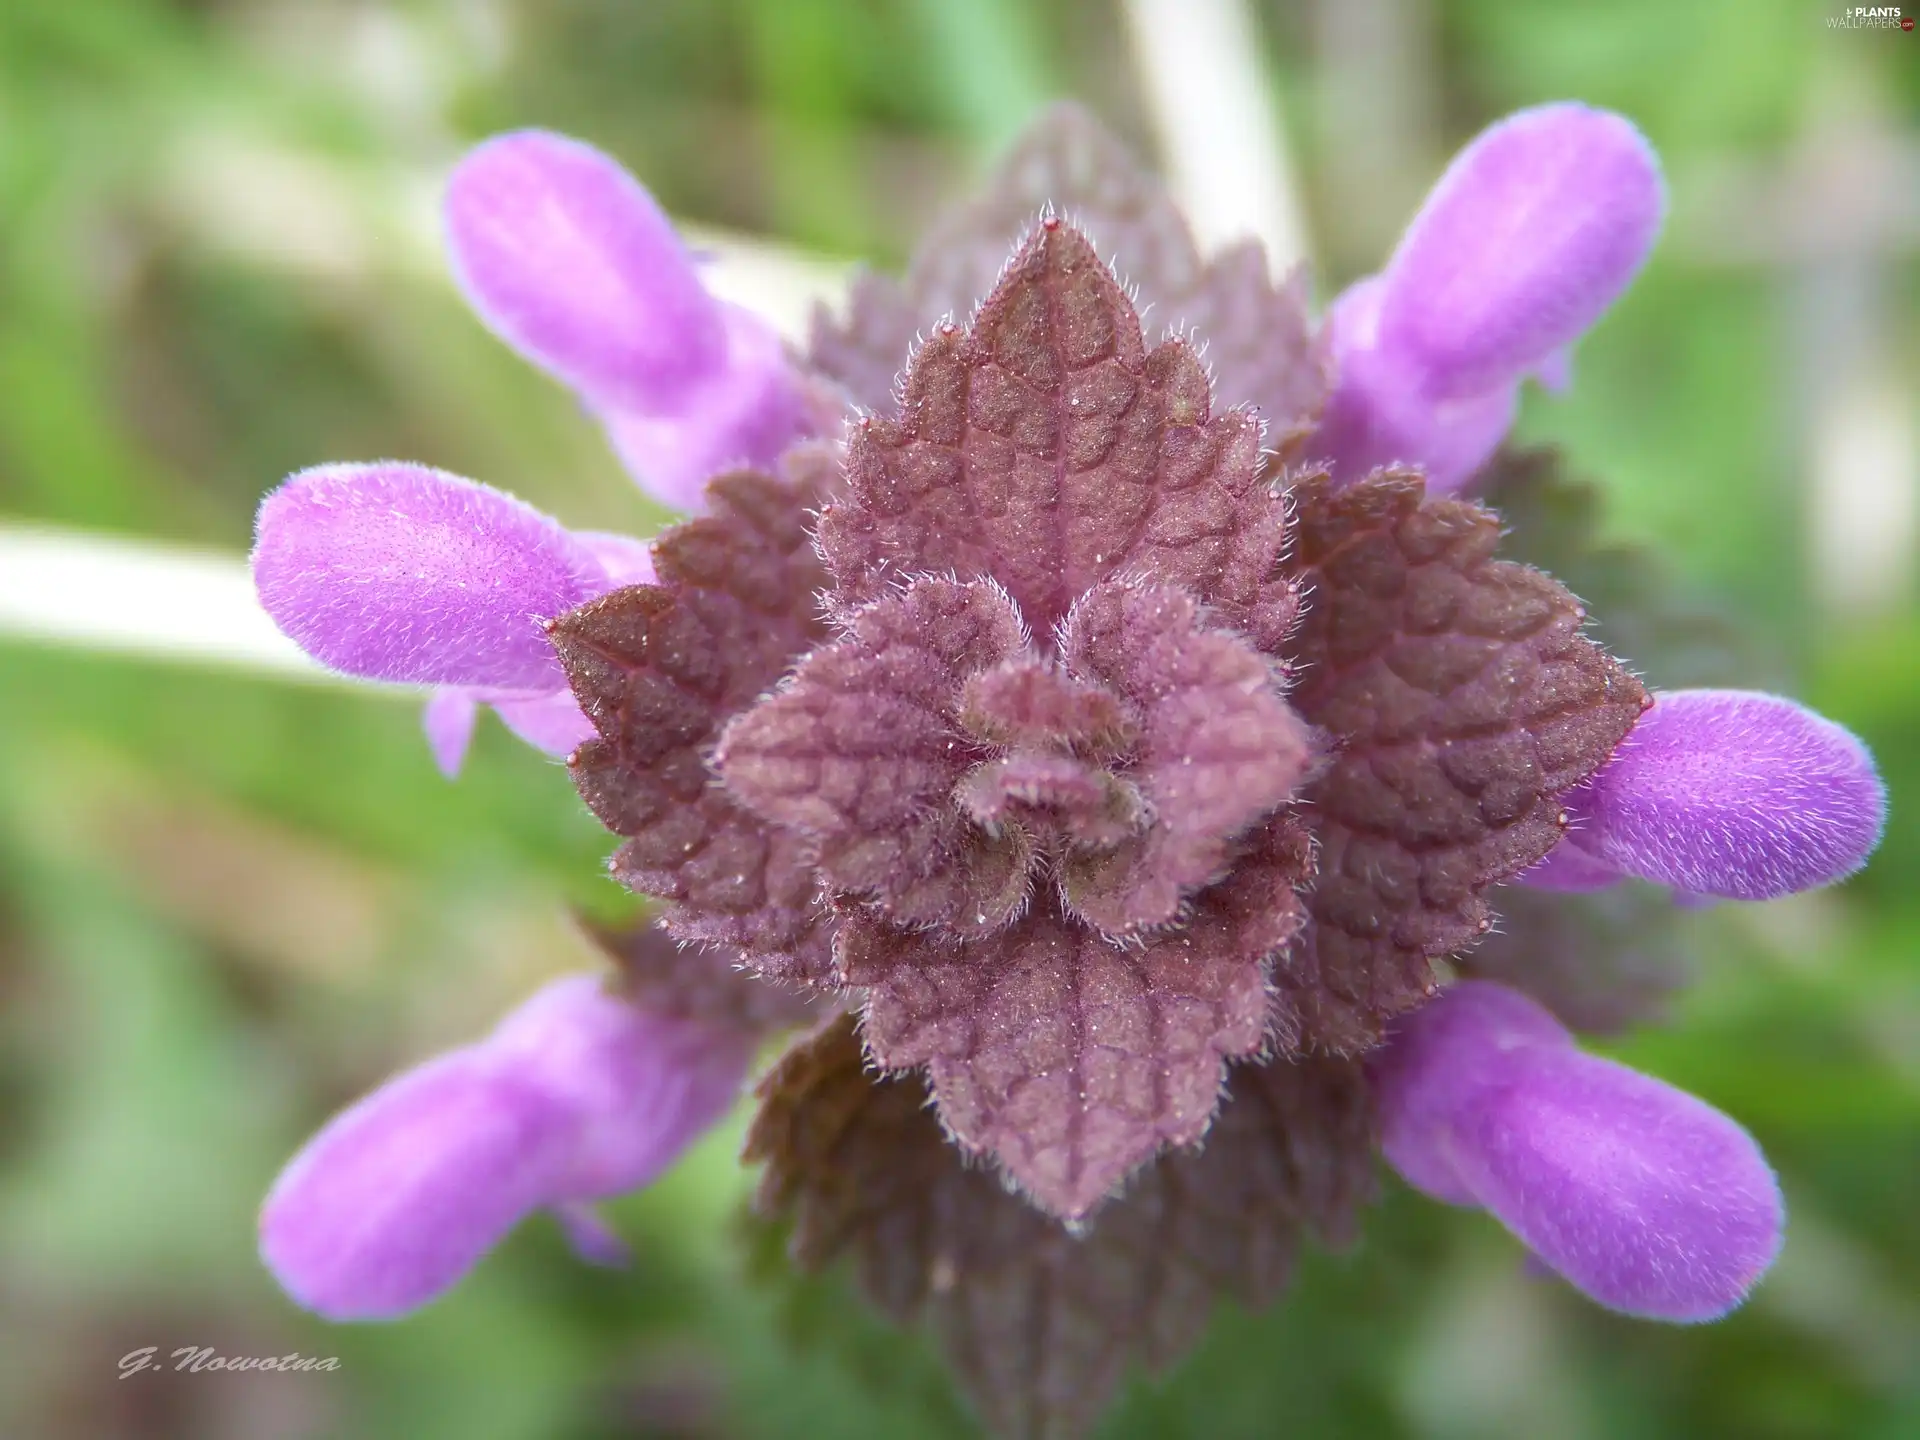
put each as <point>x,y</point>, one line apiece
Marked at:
<point>397,572</point>
<point>1531,234</point>
<point>1646,1199</point>
<point>1115,782</point>
<point>577,1095</point>
<point>1724,793</point>
<point>568,259</point>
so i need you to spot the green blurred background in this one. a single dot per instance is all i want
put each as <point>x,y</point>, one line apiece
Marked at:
<point>229,903</point>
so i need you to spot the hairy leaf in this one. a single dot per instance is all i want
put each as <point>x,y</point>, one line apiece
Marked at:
<point>861,752</point>
<point>1462,700</point>
<point>658,668</point>
<point>1069,1059</point>
<point>1218,750</point>
<point>1040,1323</point>
<point>692,982</point>
<point>1256,333</point>
<point>1045,448</point>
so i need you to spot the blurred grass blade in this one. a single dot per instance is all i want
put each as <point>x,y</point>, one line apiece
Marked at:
<point>141,597</point>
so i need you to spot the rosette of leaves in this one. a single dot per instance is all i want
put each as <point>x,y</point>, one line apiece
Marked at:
<point>1118,782</point>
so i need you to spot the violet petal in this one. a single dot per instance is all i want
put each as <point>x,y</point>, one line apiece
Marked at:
<point>399,1195</point>
<point>1534,230</point>
<point>1733,793</point>
<point>569,260</point>
<point>643,1087</point>
<point>398,572</point>
<point>554,724</point>
<point>746,413</point>
<point>1646,1199</point>
<point>577,1095</point>
<point>449,719</point>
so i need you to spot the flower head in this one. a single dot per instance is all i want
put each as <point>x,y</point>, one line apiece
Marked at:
<point>1116,783</point>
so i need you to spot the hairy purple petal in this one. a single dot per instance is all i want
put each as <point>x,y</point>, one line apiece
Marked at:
<point>399,572</point>
<point>1536,228</point>
<point>1381,414</point>
<point>641,1088</point>
<point>401,1194</point>
<point>744,414</point>
<point>553,724</point>
<point>1649,1201</point>
<point>577,1095</point>
<point>448,720</point>
<point>1732,793</point>
<point>623,559</point>
<point>569,260</point>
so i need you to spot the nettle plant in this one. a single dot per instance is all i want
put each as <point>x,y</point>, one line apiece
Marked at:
<point>1096,753</point>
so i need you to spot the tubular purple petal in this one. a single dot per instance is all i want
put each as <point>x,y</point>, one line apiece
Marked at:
<point>746,413</point>
<point>1429,1076</point>
<point>623,559</point>
<point>1733,793</point>
<point>553,724</point>
<point>1535,229</point>
<point>568,259</point>
<point>449,719</point>
<point>1646,1199</point>
<point>642,1087</point>
<point>400,1194</point>
<point>399,572</point>
<point>575,1096</point>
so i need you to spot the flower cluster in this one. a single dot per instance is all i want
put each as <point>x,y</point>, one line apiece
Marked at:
<point>1107,738</point>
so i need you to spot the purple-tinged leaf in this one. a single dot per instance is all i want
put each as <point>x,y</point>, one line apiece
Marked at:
<point>1029,704</point>
<point>1218,749</point>
<point>862,750</point>
<point>1045,448</point>
<point>660,976</point>
<point>1463,701</point>
<point>1070,1060</point>
<point>1040,1324</point>
<point>658,669</point>
<point>1255,333</point>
